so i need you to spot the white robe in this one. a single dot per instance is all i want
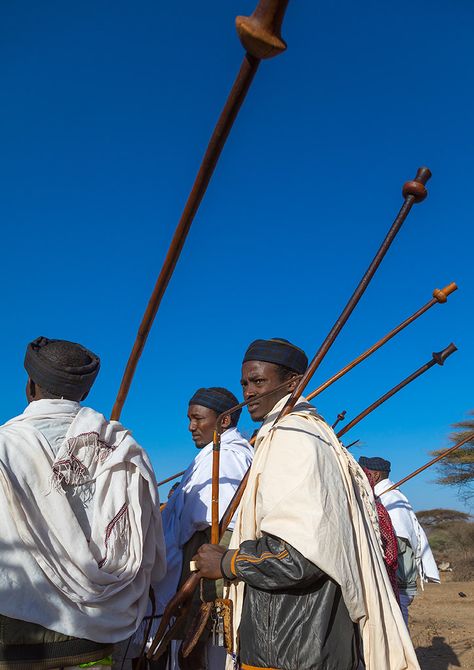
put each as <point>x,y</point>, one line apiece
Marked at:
<point>189,508</point>
<point>407,526</point>
<point>80,528</point>
<point>306,489</point>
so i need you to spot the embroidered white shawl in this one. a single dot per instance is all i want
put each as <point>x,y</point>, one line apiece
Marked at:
<point>305,488</point>
<point>87,577</point>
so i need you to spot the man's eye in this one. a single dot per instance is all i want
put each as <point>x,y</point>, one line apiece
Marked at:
<point>259,382</point>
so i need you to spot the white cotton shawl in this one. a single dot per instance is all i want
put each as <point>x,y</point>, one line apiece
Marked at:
<point>189,508</point>
<point>406,525</point>
<point>87,578</point>
<point>306,489</point>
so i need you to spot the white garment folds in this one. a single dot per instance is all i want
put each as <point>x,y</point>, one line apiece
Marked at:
<point>306,489</point>
<point>189,508</point>
<point>85,575</point>
<point>406,525</point>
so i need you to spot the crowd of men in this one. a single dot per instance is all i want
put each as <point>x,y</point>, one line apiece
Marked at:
<point>315,572</point>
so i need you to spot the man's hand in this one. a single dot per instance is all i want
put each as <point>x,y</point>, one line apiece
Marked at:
<point>208,561</point>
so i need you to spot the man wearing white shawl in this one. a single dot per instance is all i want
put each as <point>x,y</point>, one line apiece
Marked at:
<point>80,526</point>
<point>415,558</point>
<point>187,515</point>
<point>308,581</point>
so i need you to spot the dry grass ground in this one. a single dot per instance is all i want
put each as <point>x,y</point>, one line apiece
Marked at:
<point>442,626</point>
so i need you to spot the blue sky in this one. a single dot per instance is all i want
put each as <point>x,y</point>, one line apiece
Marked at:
<point>105,111</point>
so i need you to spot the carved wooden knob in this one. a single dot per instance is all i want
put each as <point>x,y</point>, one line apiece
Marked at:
<point>441,295</point>
<point>260,33</point>
<point>416,188</point>
<point>440,356</point>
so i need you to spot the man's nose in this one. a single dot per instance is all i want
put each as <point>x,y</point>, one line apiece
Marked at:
<point>248,393</point>
<point>191,425</point>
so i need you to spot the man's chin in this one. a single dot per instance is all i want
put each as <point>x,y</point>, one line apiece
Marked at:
<point>255,416</point>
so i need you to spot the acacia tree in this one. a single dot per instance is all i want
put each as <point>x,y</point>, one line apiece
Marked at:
<point>457,469</point>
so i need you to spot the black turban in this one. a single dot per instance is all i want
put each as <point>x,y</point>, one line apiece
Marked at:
<point>376,463</point>
<point>217,399</point>
<point>278,351</point>
<point>54,365</point>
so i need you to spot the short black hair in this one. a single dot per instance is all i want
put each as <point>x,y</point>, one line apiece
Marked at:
<point>285,373</point>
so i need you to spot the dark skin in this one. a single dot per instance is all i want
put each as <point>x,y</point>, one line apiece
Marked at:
<point>35,392</point>
<point>257,377</point>
<point>202,423</point>
<point>378,476</point>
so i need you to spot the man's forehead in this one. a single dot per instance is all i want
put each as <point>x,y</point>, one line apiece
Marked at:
<point>250,368</point>
<point>200,409</point>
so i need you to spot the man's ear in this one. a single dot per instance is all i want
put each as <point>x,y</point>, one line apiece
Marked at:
<point>226,421</point>
<point>293,382</point>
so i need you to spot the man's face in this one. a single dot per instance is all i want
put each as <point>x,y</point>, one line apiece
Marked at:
<point>377,476</point>
<point>202,423</point>
<point>259,377</point>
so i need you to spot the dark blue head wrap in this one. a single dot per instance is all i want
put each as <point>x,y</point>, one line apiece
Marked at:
<point>63,368</point>
<point>218,399</point>
<point>376,463</point>
<point>278,351</point>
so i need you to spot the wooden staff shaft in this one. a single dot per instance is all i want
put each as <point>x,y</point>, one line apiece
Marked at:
<point>466,439</point>
<point>439,296</point>
<point>413,191</point>
<point>170,479</point>
<point>437,359</point>
<point>209,162</point>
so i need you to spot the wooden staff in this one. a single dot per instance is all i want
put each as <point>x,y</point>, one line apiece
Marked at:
<point>260,36</point>
<point>468,438</point>
<point>439,296</point>
<point>436,359</point>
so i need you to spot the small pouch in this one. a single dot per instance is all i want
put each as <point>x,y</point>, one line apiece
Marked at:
<point>197,627</point>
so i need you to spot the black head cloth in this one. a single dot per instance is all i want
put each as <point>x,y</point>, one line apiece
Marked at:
<point>62,368</point>
<point>376,463</point>
<point>218,399</point>
<point>278,351</point>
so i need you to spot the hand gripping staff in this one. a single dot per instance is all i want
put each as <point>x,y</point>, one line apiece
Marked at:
<point>440,296</point>
<point>438,358</point>
<point>260,36</point>
<point>413,191</point>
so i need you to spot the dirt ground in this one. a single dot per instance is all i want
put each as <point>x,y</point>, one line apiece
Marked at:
<point>442,626</point>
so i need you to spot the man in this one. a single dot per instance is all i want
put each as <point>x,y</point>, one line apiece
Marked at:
<point>187,515</point>
<point>80,526</point>
<point>414,553</point>
<point>305,564</point>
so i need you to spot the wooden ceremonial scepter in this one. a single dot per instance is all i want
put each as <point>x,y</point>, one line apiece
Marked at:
<point>443,454</point>
<point>260,36</point>
<point>413,192</point>
<point>439,296</point>
<point>438,358</point>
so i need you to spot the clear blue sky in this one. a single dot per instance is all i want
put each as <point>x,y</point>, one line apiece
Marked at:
<point>105,111</point>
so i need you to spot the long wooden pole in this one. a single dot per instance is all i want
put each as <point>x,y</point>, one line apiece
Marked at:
<point>443,454</point>
<point>260,35</point>
<point>438,358</point>
<point>439,296</point>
